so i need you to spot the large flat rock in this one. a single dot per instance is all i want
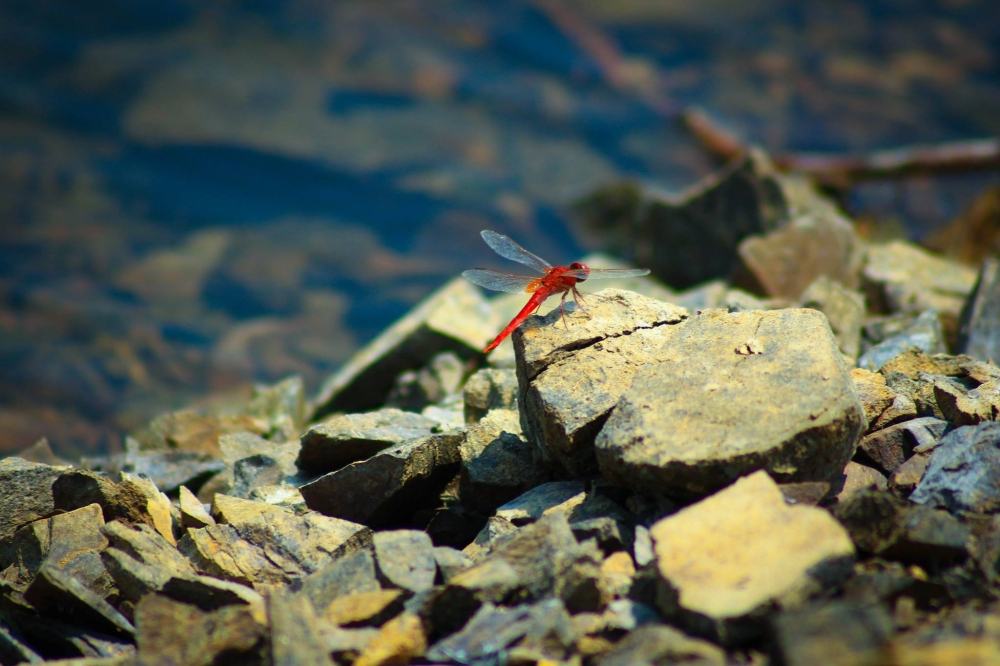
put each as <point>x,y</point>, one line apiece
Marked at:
<point>731,393</point>
<point>570,376</point>
<point>737,552</point>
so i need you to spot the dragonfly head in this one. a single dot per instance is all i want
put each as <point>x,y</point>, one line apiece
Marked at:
<point>582,269</point>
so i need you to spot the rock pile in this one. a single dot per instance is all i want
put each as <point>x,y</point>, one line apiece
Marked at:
<point>802,474</point>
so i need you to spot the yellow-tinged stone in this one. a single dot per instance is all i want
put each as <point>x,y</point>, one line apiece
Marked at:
<point>193,513</point>
<point>618,570</point>
<point>158,506</point>
<point>400,640</point>
<point>744,547</point>
<point>359,606</point>
<point>972,651</point>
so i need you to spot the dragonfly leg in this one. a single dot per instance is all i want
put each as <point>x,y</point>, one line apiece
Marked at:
<point>578,298</point>
<point>562,309</point>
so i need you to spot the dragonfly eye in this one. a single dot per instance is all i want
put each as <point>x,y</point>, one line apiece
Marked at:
<point>583,269</point>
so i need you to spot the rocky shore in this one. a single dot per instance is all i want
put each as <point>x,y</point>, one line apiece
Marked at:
<point>795,460</point>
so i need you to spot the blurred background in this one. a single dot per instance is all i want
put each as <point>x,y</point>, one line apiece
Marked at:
<point>197,196</point>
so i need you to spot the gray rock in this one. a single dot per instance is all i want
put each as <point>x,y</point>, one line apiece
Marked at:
<point>495,633</point>
<point>882,405</point>
<point>25,493</point>
<point>171,632</point>
<point>724,561</point>
<point>236,446</point>
<point>660,644</point>
<point>455,318</point>
<point>731,393</point>
<point>389,485</point>
<point>497,464</point>
<point>908,475</point>
<point>979,328</point>
<point>892,446</point>
<point>349,574</point>
<point>844,309</point>
<point>296,636</point>
<point>345,438</point>
<point>572,376</point>
<point>208,593</point>
<point>169,470</point>
<point>964,471</point>
<point>282,407</point>
<point>14,650</point>
<point>922,377</point>
<point>253,472</point>
<point>489,388</point>
<point>924,333</point>
<point>415,389</point>
<point>218,550</point>
<point>837,633</point>
<point>881,524</point>
<point>405,559</point>
<point>551,497</point>
<point>496,530</point>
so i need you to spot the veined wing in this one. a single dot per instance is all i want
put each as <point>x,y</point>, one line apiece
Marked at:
<point>497,281</point>
<point>508,249</point>
<point>608,273</point>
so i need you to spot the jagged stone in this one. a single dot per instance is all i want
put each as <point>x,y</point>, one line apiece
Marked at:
<point>159,511</point>
<point>405,559</point>
<point>296,636</point>
<point>493,532</point>
<point>892,446</point>
<point>916,375</point>
<point>724,560</point>
<point>400,640</point>
<point>455,318</point>
<point>487,389</point>
<point>371,608</point>
<point>551,497</point>
<point>188,430</point>
<point>571,377</point>
<point>345,438</point>
<point>170,632</point>
<point>70,541</point>
<point>351,573</point>
<point>729,394</point>
<point>924,333</point>
<point>964,471</point>
<point>193,512</point>
<point>497,464</point>
<point>882,405</point>
<point>390,485</point>
<point>965,406</point>
<point>908,475</point>
<point>56,592</point>
<point>25,493</point>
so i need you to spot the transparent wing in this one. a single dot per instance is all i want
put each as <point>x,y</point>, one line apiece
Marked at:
<point>608,273</point>
<point>508,249</point>
<point>497,281</point>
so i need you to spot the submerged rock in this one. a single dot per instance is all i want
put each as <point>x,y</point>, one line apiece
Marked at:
<point>732,393</point>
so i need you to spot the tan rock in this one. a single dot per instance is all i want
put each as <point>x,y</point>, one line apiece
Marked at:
<point>743,549</point>
<point>360,608</point>
<point>617,572</point>
<point>399,641</point>
<point>193,513</point>
<point>158,506</point>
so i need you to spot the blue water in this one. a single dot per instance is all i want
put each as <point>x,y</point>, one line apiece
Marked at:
<point>195,196</point>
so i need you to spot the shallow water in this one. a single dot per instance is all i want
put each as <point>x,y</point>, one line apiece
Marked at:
<point>194,196</point>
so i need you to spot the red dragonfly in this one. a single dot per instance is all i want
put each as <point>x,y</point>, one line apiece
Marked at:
<point>547,281</point>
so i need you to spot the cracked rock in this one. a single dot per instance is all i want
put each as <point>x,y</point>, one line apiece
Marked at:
<point>731,393</point>
<point>964,471</point>
<point>489,388</point>
<point>571,376</point>
<point>497,463</point>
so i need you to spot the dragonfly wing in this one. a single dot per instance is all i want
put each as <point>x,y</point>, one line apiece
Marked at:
<point>508,249</point>
<point>609,273</point>
<point>497,281</point>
